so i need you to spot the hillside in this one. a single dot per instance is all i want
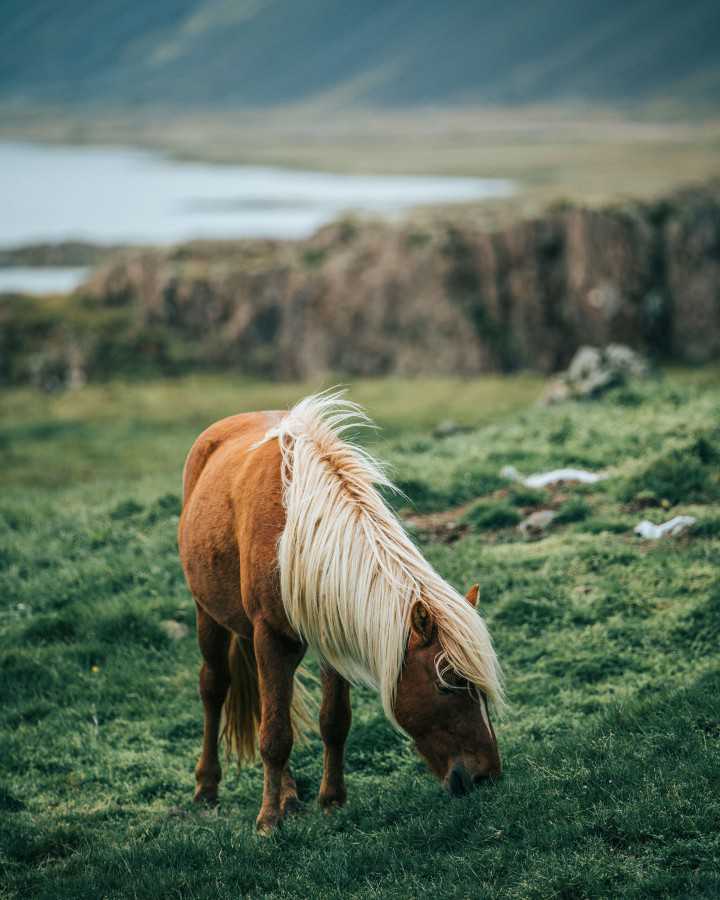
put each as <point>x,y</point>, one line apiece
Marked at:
<point>256,53</point>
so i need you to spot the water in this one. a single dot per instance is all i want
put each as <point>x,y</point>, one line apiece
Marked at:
<point>41,279</point>
<point>108,195</point>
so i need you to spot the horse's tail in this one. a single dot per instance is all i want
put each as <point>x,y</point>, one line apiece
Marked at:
<point>242,704</point>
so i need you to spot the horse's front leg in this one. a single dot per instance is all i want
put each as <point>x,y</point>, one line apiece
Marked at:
<point>277,659</point>
<point>335,718</point>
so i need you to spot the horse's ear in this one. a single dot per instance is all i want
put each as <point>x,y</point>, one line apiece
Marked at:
<point>422,622</point>
<point>472,595</point>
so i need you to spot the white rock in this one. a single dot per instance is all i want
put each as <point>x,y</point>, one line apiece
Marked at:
<point>543,479</point>
<point>671,528</point>
<point>176,631</point>
<point>537,523</point>
<point>511,473</point>
<point>554,476</point>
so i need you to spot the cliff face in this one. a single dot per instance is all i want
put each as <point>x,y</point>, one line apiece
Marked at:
<point>366,299</point>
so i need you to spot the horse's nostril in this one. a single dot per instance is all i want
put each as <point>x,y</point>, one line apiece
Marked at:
<point>459,782</point>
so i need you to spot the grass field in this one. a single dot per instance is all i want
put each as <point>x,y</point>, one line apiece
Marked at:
<point>611,742</point>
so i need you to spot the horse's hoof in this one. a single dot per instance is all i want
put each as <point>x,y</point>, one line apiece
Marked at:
<point>267,825</point>
<point>330,802</point>
<point>205,797</point>
<point>291,805</point>
<point>329,808</point>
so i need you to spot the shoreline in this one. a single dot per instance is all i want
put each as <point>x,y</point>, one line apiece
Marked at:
<point>552,153</point>
<point>147,199</point>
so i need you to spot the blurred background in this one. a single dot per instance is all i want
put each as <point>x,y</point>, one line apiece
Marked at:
<point>499,224</point>
<point>296,189</point>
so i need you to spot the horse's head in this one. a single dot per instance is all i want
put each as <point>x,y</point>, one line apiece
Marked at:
<point>447,718</point>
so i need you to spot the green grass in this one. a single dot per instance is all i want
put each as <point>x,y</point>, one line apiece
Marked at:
<point>485,515</point>
<point>611,742</point>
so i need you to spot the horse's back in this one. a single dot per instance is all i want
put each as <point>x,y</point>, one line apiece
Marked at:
<point>232,516</point>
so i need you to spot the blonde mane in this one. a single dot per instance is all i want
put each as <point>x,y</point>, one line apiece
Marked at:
<point>349,573</point>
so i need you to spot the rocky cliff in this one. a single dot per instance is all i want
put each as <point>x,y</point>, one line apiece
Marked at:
<point>366,299</point>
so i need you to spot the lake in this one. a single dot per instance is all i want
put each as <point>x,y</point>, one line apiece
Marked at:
<point>124,196</point>
<point>41,279</point>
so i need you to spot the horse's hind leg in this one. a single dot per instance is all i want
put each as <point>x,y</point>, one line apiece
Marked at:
<point>277,659</point>
<point>335,718</point>
<point>289,800</point>
<point>214,682</point>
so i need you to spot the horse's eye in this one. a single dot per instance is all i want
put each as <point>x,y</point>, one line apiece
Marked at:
<point>452,684</point>
<point>447,689</point>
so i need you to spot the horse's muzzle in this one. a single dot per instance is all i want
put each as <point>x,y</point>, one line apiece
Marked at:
<point>459,782</point>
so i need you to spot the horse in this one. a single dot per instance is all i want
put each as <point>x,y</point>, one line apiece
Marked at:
<point>287,544</point>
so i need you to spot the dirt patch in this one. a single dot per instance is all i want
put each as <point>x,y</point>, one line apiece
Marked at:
<point>449,525</point>
<point>446,526</point>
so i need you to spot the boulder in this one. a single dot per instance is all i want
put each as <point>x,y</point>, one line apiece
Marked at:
<point>537,524</point>
<point>594,370</point>
<point>175,630</point>
<point>447,428</point>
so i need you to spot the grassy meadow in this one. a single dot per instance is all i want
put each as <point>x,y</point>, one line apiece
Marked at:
<point>611,741</point>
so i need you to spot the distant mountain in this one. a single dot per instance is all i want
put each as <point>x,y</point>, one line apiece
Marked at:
<point>214,53</point>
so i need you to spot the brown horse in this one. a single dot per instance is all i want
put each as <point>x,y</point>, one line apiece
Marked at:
<point>286,543</point>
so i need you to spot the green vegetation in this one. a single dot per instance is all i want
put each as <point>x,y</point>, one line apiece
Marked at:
<point>681,473</point>
<point>611,742</point>
<point>489,515</point>
<point>522,496</point>
<point>574,510</point>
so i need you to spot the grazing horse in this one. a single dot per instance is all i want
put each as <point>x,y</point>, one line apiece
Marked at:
<point>287,544</point>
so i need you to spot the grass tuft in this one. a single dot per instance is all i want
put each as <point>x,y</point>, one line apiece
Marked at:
<point>574,510</point>
<point>486,515</point>
<point>683,474</point>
